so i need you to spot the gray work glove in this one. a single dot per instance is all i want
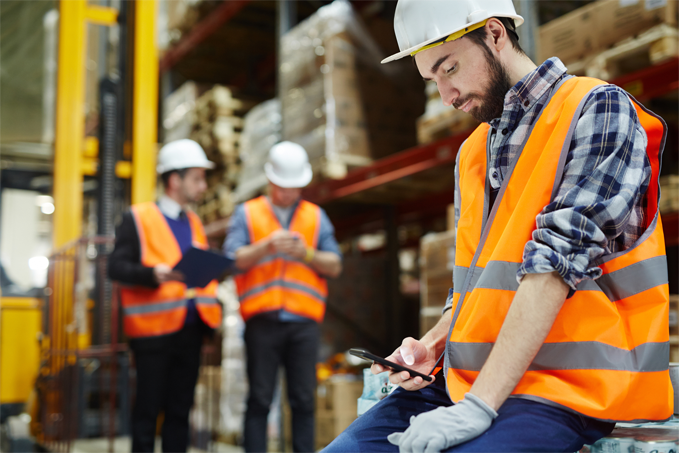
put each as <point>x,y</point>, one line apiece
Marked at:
<point>445,427</point>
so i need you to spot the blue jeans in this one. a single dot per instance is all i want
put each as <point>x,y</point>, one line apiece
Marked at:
<point>521,425</point>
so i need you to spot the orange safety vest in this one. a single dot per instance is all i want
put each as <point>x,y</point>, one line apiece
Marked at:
<point>607,353</point>
<point>149,312</point>
<point>280,281</point>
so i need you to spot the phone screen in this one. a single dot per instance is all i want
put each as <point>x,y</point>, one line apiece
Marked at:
<point>367,355</point>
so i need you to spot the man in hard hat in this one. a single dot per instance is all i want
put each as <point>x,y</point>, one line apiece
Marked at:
<point>166,322</point>
<point>557,323</point>
<point>285,248</point>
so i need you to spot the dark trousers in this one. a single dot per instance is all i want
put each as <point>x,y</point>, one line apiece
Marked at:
<point>270,343</point>
<point>167,370</point>
<point>522,425</point>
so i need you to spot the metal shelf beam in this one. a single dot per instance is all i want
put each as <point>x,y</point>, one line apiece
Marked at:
<point>392,168</point>
<point>201,31</point>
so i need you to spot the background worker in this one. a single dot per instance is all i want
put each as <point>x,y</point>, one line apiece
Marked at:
<point>166,322</point>
<point>558,253</point>
<point>285,247</point>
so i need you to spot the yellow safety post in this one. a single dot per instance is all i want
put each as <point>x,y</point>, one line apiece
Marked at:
<point>145,102</point>
<point>70,123</point>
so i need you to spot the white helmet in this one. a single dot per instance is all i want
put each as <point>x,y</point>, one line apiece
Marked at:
<point>419,23</point>
<point>181,154</point>
<point>288,166</point>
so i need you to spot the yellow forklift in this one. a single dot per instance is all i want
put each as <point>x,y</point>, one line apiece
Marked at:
<point>46,336</point>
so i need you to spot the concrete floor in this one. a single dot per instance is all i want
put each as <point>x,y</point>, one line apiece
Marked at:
<point>124,444</point>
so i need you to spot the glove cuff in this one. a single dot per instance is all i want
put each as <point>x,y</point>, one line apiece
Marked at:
<point>478,402</point>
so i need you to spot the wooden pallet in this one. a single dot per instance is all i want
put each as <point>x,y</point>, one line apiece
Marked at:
<point>444,124</point>
<point>654,46</point>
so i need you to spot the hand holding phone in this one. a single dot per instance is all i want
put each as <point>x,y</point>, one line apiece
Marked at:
<point>367,355</point>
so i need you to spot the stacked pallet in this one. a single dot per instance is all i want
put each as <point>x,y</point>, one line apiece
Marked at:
<point>440,121</point>
<point>669,194</point>
<point>213,119</point>
<point>337,101</point>
<point>609,38</point>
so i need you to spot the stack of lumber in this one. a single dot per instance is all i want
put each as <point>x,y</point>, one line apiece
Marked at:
<point>440,121</point>
<point>214,120</point>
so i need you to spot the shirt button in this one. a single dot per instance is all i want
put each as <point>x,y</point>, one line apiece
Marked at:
<point>505,131</point>
<point>494,175</point>
<point>526,103</point>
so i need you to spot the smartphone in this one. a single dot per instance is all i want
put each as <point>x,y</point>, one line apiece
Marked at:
<point>367,355</point>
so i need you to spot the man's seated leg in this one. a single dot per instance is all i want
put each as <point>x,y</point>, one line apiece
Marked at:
<point>524,425</point>
<point>369,432</point>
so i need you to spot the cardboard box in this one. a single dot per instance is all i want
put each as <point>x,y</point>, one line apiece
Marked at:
<point>598,26</point>
<point>570,37</point>
<point>339,395</point>
<point>429,316</point>
<point>437,261</point>
<point>674,314</point>
<point>674,353</point>
<point>329,426</point>
<point>450,220</point>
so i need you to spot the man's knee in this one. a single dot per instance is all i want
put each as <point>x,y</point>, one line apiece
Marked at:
<point>341,444</point>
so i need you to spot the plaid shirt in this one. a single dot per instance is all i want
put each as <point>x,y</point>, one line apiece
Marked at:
<point>598,209</point>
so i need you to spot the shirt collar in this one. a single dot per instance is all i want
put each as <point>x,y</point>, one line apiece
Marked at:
<point>169,207</point>
<point>535,84</point>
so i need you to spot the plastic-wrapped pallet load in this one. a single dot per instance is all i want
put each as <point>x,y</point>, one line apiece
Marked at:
<point>261,130</point>
<point>337,100</point>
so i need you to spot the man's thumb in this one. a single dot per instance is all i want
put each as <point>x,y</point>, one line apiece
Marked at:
<point>394,438</point>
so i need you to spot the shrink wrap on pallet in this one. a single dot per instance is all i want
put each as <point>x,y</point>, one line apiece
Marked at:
<point>337,101</point>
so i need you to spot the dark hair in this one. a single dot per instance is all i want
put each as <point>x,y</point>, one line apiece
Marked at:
<point>166,176</point>
<point>479,35</point>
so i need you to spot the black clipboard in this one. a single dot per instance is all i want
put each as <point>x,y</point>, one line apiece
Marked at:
<point>200,267</point>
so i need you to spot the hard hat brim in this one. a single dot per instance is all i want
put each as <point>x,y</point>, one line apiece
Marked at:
<point>518,20</point>
<point>297,183</point>
<point>208,165</point>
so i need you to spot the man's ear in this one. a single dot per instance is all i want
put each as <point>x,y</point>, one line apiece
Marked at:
<point>497,33</point>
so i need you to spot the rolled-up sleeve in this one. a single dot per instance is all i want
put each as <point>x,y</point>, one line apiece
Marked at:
<point>326,236</point>
<point>598,208</point>
<point>237,234</point>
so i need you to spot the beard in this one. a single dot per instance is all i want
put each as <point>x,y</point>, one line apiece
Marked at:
<point>492,102</point>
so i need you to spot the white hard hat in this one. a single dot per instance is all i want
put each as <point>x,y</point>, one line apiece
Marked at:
<point>288,166</point>
<point>181,154</point>
<point>419,23</point>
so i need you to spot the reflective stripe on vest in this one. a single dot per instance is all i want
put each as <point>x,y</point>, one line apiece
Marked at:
<point>151,312</point>
<point>617,285</point>
<point>279,281</point>
<point>606,355</point>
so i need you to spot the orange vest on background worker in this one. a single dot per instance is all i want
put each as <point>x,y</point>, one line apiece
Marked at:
<point>607,353</point>
<point>279,281</point>
<point>152,312</point>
